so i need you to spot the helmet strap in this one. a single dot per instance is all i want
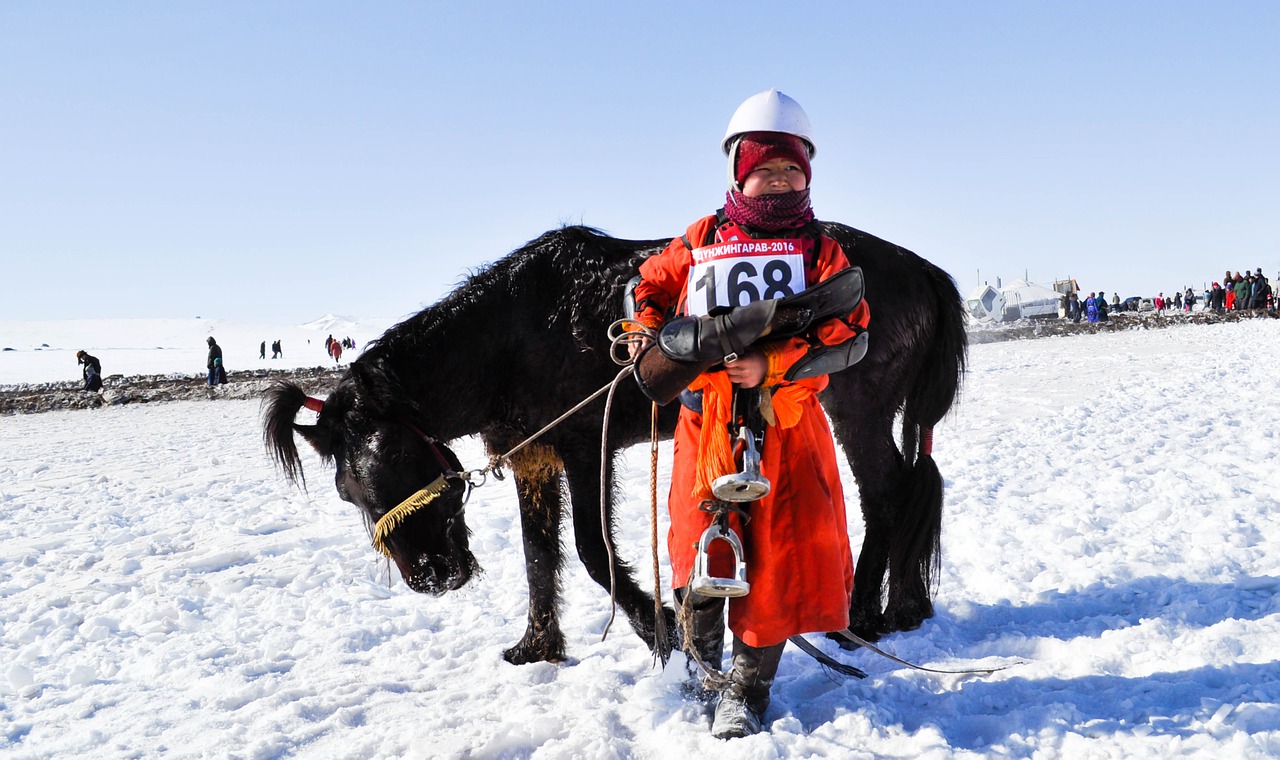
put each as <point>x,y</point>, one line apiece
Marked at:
<point>733,164</point>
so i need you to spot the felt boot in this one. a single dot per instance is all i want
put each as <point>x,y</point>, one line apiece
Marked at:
<point>707,638</point>
<point>745,699</point>
<point>708,626</point>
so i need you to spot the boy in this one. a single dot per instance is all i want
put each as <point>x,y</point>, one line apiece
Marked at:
<point>764,244</point>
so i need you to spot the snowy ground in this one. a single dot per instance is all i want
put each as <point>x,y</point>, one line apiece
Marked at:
<point>1111,533</point>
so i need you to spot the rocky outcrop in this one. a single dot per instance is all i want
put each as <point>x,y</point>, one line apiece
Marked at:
<point>32,398</point>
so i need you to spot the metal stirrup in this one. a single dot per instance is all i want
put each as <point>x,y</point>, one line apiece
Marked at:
<point>749,484</point>
<point>706,584</point>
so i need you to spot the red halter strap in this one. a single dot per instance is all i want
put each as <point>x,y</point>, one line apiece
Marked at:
<point>435,450</point>
<point>314,404</point>
<point>926,442</point>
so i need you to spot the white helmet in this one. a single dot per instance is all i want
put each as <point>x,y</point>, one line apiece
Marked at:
<point>770,111</point>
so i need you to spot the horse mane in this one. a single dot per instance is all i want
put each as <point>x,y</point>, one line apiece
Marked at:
<point>596,267</point>
<point>582,269</point>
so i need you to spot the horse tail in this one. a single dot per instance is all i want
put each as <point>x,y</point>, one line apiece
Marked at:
<point>938,382</point>
<point>280,405</point>
<point>928,400</point>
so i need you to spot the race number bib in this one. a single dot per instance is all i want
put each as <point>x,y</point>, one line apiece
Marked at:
<point>741,271</point>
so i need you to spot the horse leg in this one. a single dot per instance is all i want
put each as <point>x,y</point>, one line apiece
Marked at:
<point>877,466</point>
<point>582,470</point>
<point>537,478</point>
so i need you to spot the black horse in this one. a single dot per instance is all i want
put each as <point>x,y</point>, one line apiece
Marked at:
<point>525,339</point>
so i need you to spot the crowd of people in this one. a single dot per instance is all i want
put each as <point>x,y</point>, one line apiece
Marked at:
<point>1236,292</point>
<point>1239,292</point>
<point>1250,291</point>
<point>1094,308</point>
<point>334,347</point>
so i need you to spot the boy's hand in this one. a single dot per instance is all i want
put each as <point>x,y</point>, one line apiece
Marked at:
<point>749,370</point>
<point>636,346</point>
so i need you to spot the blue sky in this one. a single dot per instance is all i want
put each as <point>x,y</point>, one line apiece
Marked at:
<point>281,160</point>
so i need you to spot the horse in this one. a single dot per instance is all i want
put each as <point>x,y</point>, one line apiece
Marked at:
<point>525,338</point>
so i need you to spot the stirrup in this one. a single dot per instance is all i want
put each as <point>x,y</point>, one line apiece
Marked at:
<point>708,585</point>
<point>749,484</point>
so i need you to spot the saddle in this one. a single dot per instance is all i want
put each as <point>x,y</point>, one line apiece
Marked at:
<point>688,346</point>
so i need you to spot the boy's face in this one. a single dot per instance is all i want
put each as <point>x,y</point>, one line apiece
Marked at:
<point>777,175</point>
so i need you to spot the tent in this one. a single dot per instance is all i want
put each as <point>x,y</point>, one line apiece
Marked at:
<point>1014,301</point>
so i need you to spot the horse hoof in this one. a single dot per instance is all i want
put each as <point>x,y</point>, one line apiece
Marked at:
<point>526,652</point>
<point>907,623</point>
<point>870,626</point>
<point>908,617</point>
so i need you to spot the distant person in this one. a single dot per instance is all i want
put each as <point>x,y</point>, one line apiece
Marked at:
<point>217,373</point>
<point>91,371</point>
<point>1073,307</point>
<point>335,350</point>
<point>328,345</point>
<point>1091,307</point>
<point>262,350</point>
<point>1102,306</point>
<point>1159,304</point>
<point>1217,298</point>
<point>1257,293</point>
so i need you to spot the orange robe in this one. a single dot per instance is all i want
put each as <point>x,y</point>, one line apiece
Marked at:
<point>796,543</point>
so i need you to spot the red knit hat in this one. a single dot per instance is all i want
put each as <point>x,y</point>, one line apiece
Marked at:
<point>757,147</point>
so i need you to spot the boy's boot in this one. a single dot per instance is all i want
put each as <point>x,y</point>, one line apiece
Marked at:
<point>707,636</point>
<point>745,699</point>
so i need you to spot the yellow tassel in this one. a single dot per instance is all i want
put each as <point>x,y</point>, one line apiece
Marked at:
<point>392,520</point>
<point>715,450</point>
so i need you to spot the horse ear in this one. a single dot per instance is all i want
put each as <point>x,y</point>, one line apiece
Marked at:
<point>378,389</point>
<point>320,439</point>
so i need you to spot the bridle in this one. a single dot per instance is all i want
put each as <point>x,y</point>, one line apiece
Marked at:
<point>394,518</point>
<point>474,478</point>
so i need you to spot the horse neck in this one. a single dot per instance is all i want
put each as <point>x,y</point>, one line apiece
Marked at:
<point>450,368</point>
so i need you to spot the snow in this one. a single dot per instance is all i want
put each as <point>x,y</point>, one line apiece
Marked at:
<point>1111,536</point>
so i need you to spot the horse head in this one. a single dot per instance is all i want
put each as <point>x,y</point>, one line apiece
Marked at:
<point>406,484</point>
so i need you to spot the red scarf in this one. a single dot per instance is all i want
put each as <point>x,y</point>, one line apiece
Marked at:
<point>771,213</point>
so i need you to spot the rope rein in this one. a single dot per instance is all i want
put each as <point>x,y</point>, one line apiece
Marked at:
<point>660,615</point>
<point>605,533</point>
<point>624,332</point>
